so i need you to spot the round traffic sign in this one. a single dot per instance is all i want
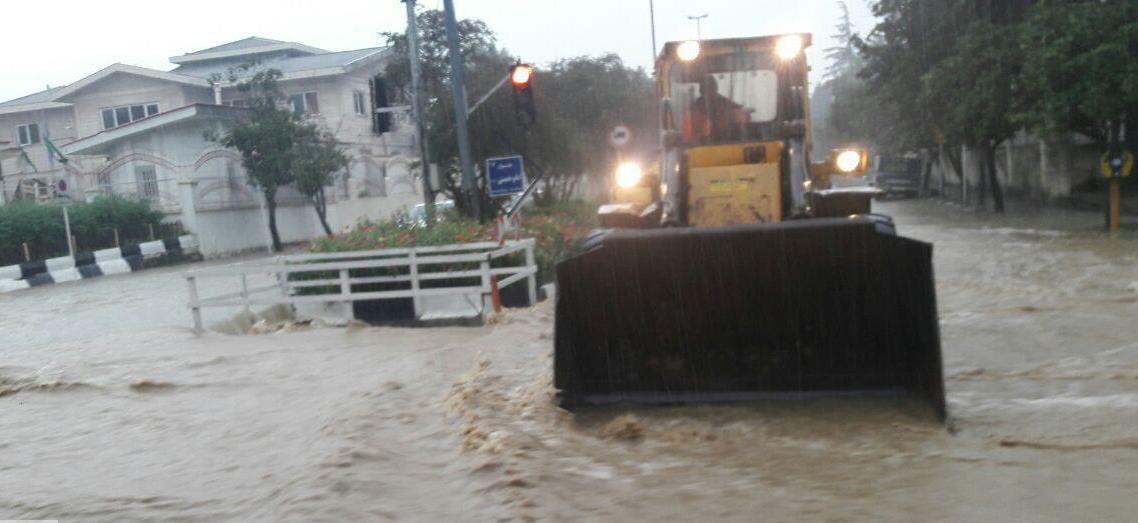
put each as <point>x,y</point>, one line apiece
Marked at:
<point>61,185</point>
<point>1118,165</point>
<point>620,136</point>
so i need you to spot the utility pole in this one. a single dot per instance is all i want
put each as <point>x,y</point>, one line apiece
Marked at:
<point>458,78</point>
<point>417,108</point>
<point>652,16</point>
<point>698,25</point>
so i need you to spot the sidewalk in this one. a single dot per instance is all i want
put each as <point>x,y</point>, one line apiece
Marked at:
<point>1097,201</point>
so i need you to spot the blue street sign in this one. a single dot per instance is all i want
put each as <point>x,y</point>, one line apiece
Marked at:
<point>507,175</point>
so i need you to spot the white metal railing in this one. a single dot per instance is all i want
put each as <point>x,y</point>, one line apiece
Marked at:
<point>473,260</point>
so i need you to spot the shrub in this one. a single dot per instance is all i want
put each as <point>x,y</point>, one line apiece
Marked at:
<point>558,230</point>
<point>93,224</point>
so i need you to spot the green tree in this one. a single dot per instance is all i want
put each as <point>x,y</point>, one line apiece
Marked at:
<point>844,108</point>
<point>265,137</point>
<point>582,99</point>
<point>910,38</point>
<point>485,65</point>
<point>317,159</point>
<point>579,100</point>
<point>843,58</point>
<point>971,92</point>
<point>1081,69</point>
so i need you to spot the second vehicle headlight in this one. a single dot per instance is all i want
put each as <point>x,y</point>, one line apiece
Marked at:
<point>848,161</point>
<point>628,175</point>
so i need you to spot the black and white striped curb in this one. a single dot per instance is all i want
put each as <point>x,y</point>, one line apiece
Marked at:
<point>91,264</point>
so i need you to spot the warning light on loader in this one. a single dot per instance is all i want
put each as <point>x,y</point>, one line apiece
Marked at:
<point>788,47</point>
<point>688,51</point>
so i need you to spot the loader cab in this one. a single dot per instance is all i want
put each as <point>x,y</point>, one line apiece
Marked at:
<point>735,140</point>
<point>733,91</point>
<point>734,126</point>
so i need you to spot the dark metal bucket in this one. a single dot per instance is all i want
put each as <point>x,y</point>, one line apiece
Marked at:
<point>795,309</point>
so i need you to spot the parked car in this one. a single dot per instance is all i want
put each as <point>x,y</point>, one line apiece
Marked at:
<point>418,213</point>
<point>898,175</point>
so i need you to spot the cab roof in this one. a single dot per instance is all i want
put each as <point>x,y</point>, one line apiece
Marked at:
<point>763,41</point>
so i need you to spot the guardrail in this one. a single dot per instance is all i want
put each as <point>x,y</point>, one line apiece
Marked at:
<point>308,273</point>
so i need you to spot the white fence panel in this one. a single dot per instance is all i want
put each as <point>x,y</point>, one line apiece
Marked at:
<point>412,264</point>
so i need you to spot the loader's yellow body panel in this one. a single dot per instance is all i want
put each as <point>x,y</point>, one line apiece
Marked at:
<point>734,184</point>
<point>734,195</point>
<point>734,154</point>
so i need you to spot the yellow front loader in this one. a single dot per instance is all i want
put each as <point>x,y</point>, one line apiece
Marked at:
<point>730,269</point>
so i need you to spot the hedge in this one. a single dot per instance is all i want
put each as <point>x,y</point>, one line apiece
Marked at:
<point>93,224</point>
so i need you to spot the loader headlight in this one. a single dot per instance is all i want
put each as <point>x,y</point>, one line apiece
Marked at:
<point>848,161</point>
<point>688,51</point>
<point>788,47</point>
<point>628,175</point>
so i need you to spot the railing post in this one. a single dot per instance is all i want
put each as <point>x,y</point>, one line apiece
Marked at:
<point>415,298</point>
<point>346,292</point>
<point>245,293</point>
<point>282,276</point>
<point>484,266</point>
<point>531,281</point>
<point>195,307</point>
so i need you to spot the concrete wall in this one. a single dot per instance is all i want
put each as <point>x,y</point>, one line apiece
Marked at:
<point>230,231</point>
<point>1026,167</point>
<point>176,152</point>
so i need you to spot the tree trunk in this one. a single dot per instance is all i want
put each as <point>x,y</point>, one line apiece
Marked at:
<point>954,160</point>
<point>573,187</point>
<point>993,176</point>
<point>271,204</point>
<point>320,203</point>
<point>1131,138</point>
<point>929,156</point>
<point>982,197</point>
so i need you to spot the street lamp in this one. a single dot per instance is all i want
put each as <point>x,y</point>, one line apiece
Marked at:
<point>698,25</point>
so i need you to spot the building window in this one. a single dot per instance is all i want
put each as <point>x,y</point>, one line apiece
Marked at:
<point>304,103</point>
<point>234,103</point>
<point>28,134</point>
<point>116,116</point>
<point>103,180</point>
<point>380,122</point>
<point>360,102</point>
<point>147,179</point>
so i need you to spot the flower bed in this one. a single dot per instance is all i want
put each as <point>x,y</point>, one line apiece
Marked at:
<point>558,230</point>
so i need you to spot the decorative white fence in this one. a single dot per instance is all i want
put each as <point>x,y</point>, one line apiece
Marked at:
<point>466,261</point>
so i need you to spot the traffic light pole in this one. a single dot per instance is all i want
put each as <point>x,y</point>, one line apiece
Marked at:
<point>420,113</point>
<point>458,79</point>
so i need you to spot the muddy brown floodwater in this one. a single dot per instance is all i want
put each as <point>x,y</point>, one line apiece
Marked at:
<point>113,411</point>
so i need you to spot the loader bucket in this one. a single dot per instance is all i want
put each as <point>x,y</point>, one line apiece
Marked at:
<point>790,310</point>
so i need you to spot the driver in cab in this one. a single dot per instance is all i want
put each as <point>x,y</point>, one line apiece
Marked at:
<point>713,115</point>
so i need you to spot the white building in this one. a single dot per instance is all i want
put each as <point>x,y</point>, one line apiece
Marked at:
<point>133,131</point>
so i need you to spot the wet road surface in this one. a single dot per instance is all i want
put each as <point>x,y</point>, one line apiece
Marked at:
<point>114,411</point>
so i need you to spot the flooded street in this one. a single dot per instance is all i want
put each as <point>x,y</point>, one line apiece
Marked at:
<point>114,411</point>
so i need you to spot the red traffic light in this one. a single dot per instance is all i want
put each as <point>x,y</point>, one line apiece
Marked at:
<point>521,75</point>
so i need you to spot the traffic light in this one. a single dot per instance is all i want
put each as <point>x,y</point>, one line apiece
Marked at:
<point>521,76</point>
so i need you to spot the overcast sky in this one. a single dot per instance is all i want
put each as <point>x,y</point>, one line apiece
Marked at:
<point>74,38</point>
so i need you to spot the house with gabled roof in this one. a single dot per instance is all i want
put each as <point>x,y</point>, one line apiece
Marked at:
<point>136,131</point>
